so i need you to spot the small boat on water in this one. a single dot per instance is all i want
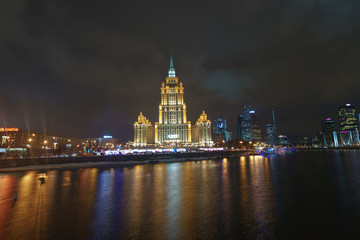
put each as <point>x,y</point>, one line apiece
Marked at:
<point>285,150</point>
<point>268,151</point>
<point>274,150</point>
<point>264,151</point>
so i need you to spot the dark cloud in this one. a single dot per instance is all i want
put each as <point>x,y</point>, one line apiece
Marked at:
<point>84,68</point>
<point>228,84</point>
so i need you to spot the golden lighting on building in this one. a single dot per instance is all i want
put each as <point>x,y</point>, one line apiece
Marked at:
<point>9,129</point>
<point>173,128</point>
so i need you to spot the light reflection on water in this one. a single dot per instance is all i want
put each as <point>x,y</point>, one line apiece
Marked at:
<point>241,197</point>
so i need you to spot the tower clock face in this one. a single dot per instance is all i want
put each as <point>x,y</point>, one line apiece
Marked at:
<point>221,125</point>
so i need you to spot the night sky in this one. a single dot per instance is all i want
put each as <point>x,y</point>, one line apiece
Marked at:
<point>87,68</point>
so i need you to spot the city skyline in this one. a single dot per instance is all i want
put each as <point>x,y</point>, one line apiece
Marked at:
<point>74,71</point>
<point>179,119</point>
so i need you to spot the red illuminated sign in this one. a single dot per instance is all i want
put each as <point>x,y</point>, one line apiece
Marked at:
<point>9,129</point>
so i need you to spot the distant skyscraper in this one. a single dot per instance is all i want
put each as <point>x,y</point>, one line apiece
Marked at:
<point>248,125</point>
<point>255,130</point>
<point>239,127</point>
<point>219,129</point>
<point>270,136</point>
<point>271,130</point>
<point>329,134</point>
<point>349,131</point>
<point>219,126</point>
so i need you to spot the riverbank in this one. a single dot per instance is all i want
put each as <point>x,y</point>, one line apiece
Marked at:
<point>328,149</point>
<point>7,165</point>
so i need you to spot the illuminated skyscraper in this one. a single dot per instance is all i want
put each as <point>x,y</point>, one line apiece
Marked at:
<point>249,125</point>
<point>173,126</point>
<point>349,132</point>
<point>246,123</point>
<point>329,134</point>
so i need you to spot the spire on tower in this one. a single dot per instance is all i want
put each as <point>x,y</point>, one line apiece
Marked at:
<point>171,57</point>
<point>171,70</point>
<point>274,127</point>
<point>273,115</point>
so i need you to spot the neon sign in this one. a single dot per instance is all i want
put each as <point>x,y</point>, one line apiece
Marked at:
<point>9,129</point>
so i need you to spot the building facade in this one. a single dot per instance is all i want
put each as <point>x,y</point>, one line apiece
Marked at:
<point>271,131</point>
<point>173,127</point>
<point>255,129</point>
<point>143,132</point>
<point>349,131</point>
<point>246,123</point>
<point>201,131</point>
<point>219,130</point>
<point>329,135</point>
<point>248,128</point>
<point>239,127</point>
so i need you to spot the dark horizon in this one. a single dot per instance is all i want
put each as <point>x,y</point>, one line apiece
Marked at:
<point>85,69</point>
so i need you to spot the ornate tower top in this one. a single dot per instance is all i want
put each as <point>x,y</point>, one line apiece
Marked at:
<point>171,72</point>
<point>142,120</point>
<point>202,118</point>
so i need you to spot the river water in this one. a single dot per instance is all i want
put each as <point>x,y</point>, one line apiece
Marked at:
<point>306,195</point>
